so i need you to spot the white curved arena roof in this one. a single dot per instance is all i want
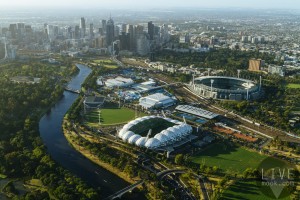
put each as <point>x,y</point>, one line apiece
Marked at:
<point>165,137</point>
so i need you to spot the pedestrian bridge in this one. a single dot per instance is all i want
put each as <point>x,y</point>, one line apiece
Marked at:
<point>120,193</point>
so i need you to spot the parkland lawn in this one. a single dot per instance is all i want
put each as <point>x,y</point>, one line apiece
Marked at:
<point>232,159</point>
<point>111,116</point>
<point>293,86</point>
<point>248,190</point>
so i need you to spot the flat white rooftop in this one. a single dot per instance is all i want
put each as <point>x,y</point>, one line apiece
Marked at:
<point>196,111</point>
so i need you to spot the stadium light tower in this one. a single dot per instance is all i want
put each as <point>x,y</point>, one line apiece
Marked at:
<point>208,71</point>
<point>259,83</point>
<point>238,71</point>
<point>211,83</point>
<point>193,80</point>
<point>99,115</point>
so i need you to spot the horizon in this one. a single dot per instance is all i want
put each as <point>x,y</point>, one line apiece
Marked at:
<point>143,4</point>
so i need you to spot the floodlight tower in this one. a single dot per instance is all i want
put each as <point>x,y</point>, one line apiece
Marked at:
<point>248,90</point>
<point>208,71</point>
<point>99,115</point>
<point>193,81</point>
<point>260,84</point>
<point>211,88</point>
<point>238,71</point>
<point>136,113</point>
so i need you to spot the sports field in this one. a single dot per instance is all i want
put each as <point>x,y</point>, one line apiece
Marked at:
<point>107,63</point>
<point>247,190</point>
<point>155,124</point>
<point>110,116</point>
<point>231,159</point>
<point>293,86</point>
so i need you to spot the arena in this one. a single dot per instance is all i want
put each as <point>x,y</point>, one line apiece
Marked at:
<point>221,87</point>
<point>152,132</point>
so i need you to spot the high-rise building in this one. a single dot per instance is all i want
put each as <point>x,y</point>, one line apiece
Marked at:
<point>256,64</point>
<point>82,27</point>
<point>77,32</point>
<point>91,30</point>
<point>13,30</point>
<point>130,31</point>
<point>117,31</point>
<point>139,30</point>
<point>50,32</point>
<point>143,46</point>
<point>244,39</point>
<point>103,22</point>
<point>110,32</point>
<point>124,41</point>
<point>151,30</point>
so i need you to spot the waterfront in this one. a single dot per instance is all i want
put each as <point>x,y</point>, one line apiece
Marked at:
<point>50,127</point>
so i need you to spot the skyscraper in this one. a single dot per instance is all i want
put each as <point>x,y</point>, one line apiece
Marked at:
<point>104,25</point>
<point>82,27</point>
<point>151,30</point>
<point>91,30</point>
<point>129,29</point>
<point>77,32</point>
<point>110,32</point>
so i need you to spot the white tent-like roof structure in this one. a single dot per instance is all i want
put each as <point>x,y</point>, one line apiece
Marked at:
<point>168,136</point>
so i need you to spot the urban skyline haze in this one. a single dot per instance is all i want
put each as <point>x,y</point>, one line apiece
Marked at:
<point>264,4</point>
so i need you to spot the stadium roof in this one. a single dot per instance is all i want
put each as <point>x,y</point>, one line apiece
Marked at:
<point>196,111</point>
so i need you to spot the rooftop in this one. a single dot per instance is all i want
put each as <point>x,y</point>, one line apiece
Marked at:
<point>196,111</point>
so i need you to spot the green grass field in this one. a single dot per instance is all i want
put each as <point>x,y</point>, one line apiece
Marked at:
<point>156,124</point>
<point>110,116</point>
<point>232,159</point>
<point>245,190</point>
<point>111,66</point>
<point>106,61</point>
<point>293,86</point>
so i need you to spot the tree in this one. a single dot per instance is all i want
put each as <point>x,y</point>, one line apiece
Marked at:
<point>179,159</point>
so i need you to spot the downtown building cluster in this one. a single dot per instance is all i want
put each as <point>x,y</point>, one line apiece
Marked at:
<point>104,37</point>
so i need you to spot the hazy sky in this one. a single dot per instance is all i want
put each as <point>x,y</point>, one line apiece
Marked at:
<point>281,4</point>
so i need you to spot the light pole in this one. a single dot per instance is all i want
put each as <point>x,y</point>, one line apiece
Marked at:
<point>99,116</point>
<point>239,71</point>
<point>211,83</point>
<point>208,71</point>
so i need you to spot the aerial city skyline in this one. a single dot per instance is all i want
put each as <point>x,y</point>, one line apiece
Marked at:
<point>149,100</point>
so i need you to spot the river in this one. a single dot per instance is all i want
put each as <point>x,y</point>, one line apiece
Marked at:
<point>50,127</point>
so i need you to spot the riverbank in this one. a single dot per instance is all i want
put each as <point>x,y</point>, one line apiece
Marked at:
<point>70,136</point>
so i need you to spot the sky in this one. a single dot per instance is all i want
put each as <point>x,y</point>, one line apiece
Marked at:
<point>264,4</point>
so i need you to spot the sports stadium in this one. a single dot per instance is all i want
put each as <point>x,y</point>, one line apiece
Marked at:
<point>152,132</point>
<point>223,87</point>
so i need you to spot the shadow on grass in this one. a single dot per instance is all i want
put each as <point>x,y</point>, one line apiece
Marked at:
<point>240,190</point>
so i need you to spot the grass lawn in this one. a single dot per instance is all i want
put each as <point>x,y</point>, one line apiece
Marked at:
<point>245,190</point>
<point>111,66</point>
<point>111,116</point>
<point>106,61</point>
<point>232,159</point>
<point>293,86</point>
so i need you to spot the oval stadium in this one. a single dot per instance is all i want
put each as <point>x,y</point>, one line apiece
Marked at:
<point>223,87</point>
<point>152,132</point>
